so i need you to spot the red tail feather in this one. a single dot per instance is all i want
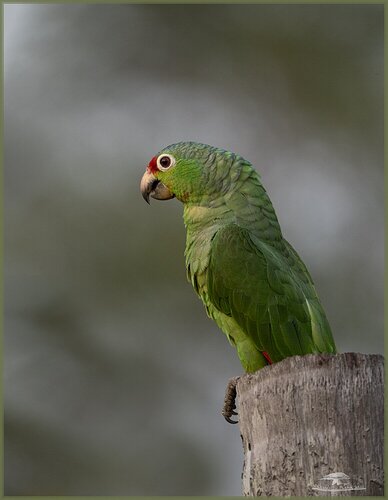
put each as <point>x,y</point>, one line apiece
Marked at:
<point>266,355</point>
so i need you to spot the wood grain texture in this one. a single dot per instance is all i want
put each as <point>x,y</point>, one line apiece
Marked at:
<point>308,416</point>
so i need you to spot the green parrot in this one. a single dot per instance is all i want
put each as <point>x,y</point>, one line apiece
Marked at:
<point>251,280</point>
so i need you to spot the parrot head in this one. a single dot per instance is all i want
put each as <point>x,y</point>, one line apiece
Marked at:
<point>188,171</point>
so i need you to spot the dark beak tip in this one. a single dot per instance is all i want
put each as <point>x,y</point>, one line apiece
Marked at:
<point>146,197</point>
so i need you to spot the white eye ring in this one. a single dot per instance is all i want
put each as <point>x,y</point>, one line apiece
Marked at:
<point>165,161</point>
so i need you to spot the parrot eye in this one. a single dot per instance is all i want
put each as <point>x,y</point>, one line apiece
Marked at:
<point>165,161</point>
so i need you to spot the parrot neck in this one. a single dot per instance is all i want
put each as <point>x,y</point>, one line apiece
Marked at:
<point>248,206</point>
<point>199,218</point>
<point>202,222</point>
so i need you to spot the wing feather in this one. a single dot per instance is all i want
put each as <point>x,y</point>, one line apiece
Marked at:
<point>268,293</point>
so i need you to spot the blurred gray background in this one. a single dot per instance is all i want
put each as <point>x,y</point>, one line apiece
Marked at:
<point>114,376</point>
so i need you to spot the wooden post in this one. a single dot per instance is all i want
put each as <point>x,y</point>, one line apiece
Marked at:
<point>310,416</point>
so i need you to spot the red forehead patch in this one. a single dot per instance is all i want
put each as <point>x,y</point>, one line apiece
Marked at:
<point>152,167</point>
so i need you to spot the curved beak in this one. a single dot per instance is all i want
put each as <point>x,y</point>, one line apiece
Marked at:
<point>151,186</point>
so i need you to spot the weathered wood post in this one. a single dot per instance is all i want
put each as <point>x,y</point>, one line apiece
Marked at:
<point>310,416</point>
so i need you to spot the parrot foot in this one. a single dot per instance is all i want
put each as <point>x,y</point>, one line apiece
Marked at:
<point>230,401</point>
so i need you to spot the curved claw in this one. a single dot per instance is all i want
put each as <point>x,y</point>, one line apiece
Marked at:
<point>230,420</point>
<point>230,401</point>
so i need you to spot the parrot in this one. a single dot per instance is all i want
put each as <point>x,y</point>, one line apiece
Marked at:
<point>250,279</point>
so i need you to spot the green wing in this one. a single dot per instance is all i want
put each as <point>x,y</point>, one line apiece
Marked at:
<point>267,290</point>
